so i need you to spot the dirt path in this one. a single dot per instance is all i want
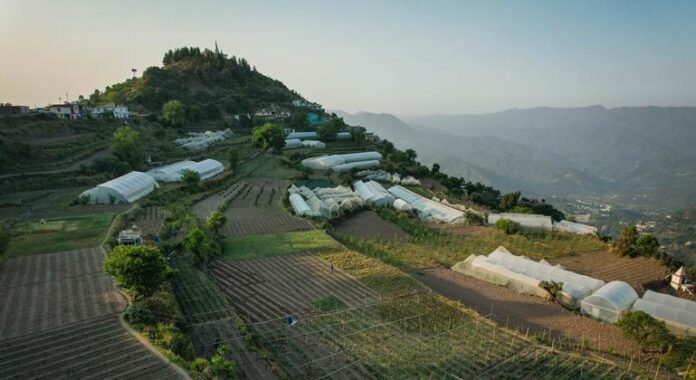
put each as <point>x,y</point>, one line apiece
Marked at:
<point>525,313</point>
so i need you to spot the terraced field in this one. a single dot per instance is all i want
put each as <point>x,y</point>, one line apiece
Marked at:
<point>274,287</point>
<point>151,220</point>
<point>96,348</point>
<point>256,210</point>
<point>608,267</point>
<point>40,292</point>
<point>211,203</point>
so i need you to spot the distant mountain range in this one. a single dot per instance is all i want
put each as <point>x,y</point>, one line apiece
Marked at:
<point>641,157</point>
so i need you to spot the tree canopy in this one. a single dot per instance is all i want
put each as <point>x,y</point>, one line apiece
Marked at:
<point>141,269</point>
<point>191,178</point>
<point>268,136</point>
<point>127,147</point>
<point>650,333</point>
<point>174,113</point>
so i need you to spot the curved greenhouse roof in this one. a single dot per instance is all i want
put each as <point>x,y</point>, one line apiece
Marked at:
<point>427,208</point>
<point>208,168</point>
<point>341,161</point>
<point>524,220</point>
<point>171,172</point>
<point>609,301</point>
<point>124,189</point>
<point>677,318</point>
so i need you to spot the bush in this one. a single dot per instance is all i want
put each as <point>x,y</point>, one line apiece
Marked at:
<point>169,337</point>
<point>650,333</point>
<point>474,218</point>
<point>138,313</point>
<point>140,269</point>
<point>508,226</point>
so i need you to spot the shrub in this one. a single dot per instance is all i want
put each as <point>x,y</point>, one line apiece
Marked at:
<point>138,313</point>
<point>650,333</point>
<point>508,226</point>
<point>140,269</point>
<point>474,218</point>
<point>169,337</point>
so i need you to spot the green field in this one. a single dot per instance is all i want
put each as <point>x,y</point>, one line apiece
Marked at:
<point>313,241</point>
<point>266,166</point>
<point>59,234</point>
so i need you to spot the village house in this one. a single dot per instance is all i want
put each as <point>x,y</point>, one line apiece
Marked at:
<point>300,103</point>
<point>68,111</point>
<point>119,111</point>
<point>272,112</point>
<point>9,109</point>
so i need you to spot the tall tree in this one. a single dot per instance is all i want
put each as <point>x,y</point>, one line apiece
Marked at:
<point>626,245</point>
<point>127,147</point>
<point>215,221</point>
<point>268,136</point>
<point>174,113</point>
<point>509,200</point>
<point>141,269</point>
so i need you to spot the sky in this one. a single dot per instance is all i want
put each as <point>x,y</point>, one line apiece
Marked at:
<point>402,57</point>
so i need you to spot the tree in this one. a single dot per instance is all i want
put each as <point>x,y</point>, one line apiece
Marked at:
<point>507,226</point>
<point>553,288</point>
<point>174,113</point>
<point>626,245</point>
<point>328,131</point>
<point>201,245</point>
<point>651,334</point>
<point>191,178</point>
<point>215,221</point>
<point>233,158</point>
<point>4,240</point>
<point>298,121</point>
<point>127,147</point>
<point>169,337</point>
<point>509,200</point>
<point>647,245</point>
<point>435,169</point>
<point>141,269</point>
<point>268,136</point>
<point>219,367</point>
<point>411,154</point>
<point>358,136</point>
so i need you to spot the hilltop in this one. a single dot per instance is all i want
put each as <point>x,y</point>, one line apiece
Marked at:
<point>210,84</point>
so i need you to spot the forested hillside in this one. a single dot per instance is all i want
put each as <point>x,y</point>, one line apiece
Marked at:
<point>209,83</point>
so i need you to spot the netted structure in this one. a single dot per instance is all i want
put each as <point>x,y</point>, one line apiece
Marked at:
<point>679,314</point>
<point>428,209</point>
<point>522,275</point>
<point>574,228</point>
<point>200,141</point>
<point>327,202</point>
<point>124,189</point>
<point>525,220</point>
<point>373,193</point>
<point>342,162</point>
<point>609,301</point>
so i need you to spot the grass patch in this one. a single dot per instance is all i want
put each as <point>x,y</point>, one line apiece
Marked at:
<point>59,234</point>
<point>329,303</point>
<point>313,241</point>
<point>267,165</point>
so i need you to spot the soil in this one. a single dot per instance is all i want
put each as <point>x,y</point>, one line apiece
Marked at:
<point>524,313</point>
<point>607,267</point>
<point>368,225</point>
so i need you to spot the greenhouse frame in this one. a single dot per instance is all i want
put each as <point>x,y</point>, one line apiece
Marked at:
<point>124,189</point>
<point>678,314</point>
<point>610,301</point>
<point>373,193</point>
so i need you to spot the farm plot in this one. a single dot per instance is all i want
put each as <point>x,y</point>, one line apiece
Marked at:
<point>96,348</point>
<point>274,287</point>
<point>206,206</point>
<point>45,291</point>
<point>151,220</point>
<point>528,314</point>
<point>59,234</point>
<point>608,267</point>
<point>368,225</point>
<point>256,210</point>
<point>211,321</point>
<point>416,336</point>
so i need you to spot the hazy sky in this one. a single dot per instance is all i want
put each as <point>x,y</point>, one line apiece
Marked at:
<point>404,57</point>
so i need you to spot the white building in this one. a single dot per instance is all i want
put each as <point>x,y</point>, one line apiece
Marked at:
<point>68,111</point>
<point>301,103</point>
<point>124,189</point>
<point>118,111</point>
<point>272,112</point>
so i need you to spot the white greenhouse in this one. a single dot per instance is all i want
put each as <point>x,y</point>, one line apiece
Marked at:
<point>332,161</point>
<point>401,205</point>
<point>326,202</point>
<point>124,189</point>
<point>523,275</point>
<point>524,220</point>
<point>302,135</point>
<point>356,165</point>
<point>300,206</point>
<point>373,193</point>
<point>293,144</point>
<point>315,144</point>
<point>208,168</point>
<point>609,301</point>
<point>171,172</point>
<point>574,228</point>
<point>678,314</point>
<point>428,209</point>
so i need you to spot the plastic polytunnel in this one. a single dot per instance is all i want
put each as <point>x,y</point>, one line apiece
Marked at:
<point>609,301</point>
<point>333,161</point>
<point>427,208</point>
<point>293,144</point>
<point>124,189</point>
<point>302,135</point>
<point>171,172</point>
<point>524,220</point>
<point>301,207</point>
<point>208,168</point>
<point>679,314</point>
<point>523,275</point>
<point>373,193</point>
